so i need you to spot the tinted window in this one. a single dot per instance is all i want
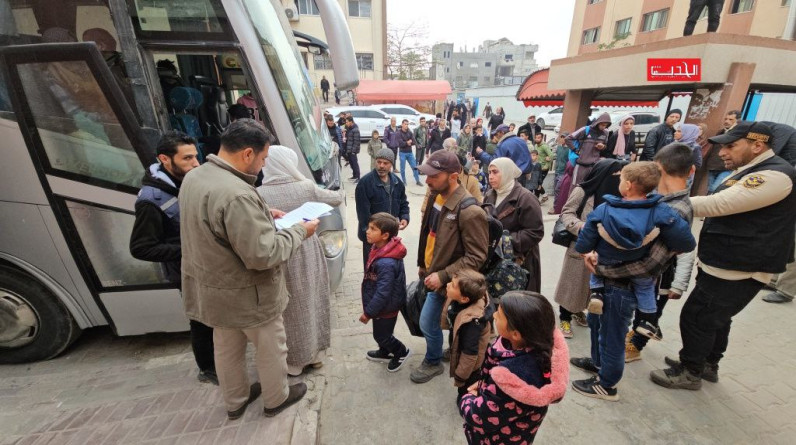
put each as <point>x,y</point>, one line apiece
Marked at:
<point>77,126</point>
<point>358,113</point>
<point>374,114</point>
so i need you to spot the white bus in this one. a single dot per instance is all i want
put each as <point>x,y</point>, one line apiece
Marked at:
<point>86,89</point>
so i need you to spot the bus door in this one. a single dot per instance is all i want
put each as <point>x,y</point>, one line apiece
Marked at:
<point>90,154</point>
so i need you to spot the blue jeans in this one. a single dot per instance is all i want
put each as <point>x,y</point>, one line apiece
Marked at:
<point>715,178</point>
<point>430,325</point>
<point>645,289</point>
<point>608,333</point>
<point>412,163</point>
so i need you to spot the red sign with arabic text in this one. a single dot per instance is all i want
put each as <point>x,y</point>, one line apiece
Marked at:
<point>667,70</point>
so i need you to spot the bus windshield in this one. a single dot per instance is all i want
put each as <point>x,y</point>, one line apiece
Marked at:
<point>290,75</point>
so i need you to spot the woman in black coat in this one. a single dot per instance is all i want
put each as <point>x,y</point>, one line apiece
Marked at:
<point>621,144</point>
<point>520,213</point>
<point>496,119</point>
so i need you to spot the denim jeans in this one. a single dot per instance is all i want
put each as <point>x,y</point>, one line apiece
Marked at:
<point>715,178</point>
<point>408,156</point>
<point>430,325</point>
<point>608,333</point>
<point>644,288</point>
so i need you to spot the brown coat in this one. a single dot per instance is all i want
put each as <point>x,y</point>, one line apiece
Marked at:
<point>459,245</point>
<point>470,184</point>
<point>464,365</point>
<point>521,214</point>
<point>572,290</point>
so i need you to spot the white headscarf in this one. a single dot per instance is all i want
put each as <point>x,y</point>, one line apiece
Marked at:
<point>508,173</point>
<point>281,166</point>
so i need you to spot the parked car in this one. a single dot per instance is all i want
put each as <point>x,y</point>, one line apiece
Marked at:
<point>552,118</point>
<point>645,121</point>
<point>367,118</point>
<point>401,112</point>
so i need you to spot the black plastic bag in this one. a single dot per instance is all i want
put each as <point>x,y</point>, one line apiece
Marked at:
<point>415,299</point>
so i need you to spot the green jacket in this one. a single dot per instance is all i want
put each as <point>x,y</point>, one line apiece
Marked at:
<point>232,253</point>
<point>545,156</point>
<point>421,136</point>
<point>465,143</point>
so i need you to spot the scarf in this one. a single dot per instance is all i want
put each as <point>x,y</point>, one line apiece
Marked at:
<point>619,148</point>
<point>690,133</point>
<point>601,181</point>
<point>508,173</point>
<point>281,166</point>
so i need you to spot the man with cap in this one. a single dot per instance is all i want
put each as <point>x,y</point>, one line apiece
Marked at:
<point>453,237</point>
<point>717,173</point>
<point>748,236</point>
<point>661,136</point>
<point>531,127</point>
<point>380,191</point>
<point>509,146</point>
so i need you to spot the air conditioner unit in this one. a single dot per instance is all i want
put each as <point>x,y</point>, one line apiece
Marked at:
<point>292,13</point>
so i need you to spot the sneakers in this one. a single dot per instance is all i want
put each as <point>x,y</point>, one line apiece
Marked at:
<point>398,361</point>
<point>777,297</point>
<point>580,319</point>
<point>208,377</point>
<point>709,373</point>
<point>566,329</point>
<point>426,372</point>
<point>592,388</point>
<point>676,377</point>
<point>379,356</point>
<point>584,363</point>
<point>632,353</point>
<point>446,355</point>
<point>596,303</point>
<point>254,392</point>
<point>295,393</point>
<point>648,330</point>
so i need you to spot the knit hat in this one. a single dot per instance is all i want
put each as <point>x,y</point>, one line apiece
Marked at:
<point>386,154</point>
<point>676,110</point>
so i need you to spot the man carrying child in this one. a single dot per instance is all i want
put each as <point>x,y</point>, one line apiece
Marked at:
<point>622,230</point>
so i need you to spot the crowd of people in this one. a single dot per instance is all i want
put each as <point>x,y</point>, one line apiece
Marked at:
<point>625,217</point>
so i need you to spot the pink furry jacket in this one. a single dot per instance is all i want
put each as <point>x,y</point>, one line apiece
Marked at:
<point>513,393</point>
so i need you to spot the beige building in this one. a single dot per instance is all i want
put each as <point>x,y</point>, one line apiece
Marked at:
<point>367,22</point>
<point>603,24</point>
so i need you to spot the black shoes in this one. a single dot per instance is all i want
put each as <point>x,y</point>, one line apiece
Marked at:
<point>379,356</point>
<point>592,388</point>
<point>584,363</point>
<point>208,377</point>
<point>254,392</point>
<point>296,392</point>
<point>649,330</point>
<point>398,361</point>
<point>710,372</point>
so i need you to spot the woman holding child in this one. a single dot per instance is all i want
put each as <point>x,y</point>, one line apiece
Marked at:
<point>520,213</point>
<point>572,292</point>
<point>307,316</point>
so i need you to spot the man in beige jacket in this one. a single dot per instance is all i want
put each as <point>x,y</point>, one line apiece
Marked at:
<point>232,257</point>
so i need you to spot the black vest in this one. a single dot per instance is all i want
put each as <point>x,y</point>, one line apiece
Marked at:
<point>761,240</point>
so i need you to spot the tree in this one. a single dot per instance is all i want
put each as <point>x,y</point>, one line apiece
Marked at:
<point>407,57</point>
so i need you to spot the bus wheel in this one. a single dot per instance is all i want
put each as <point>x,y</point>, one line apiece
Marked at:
<point>34,324</point>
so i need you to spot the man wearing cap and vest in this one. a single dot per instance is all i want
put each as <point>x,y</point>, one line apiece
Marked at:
<point>748,236</point>
<point>156,231</point>
<point>453,236</point>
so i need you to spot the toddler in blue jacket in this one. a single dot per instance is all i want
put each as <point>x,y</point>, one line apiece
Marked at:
<point>622,231</point>
<point>384,289</point>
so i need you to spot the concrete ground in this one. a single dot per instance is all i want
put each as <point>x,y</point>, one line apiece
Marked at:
<point>108,389</point>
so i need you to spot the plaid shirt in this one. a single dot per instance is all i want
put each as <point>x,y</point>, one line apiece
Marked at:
<point>659,257</point>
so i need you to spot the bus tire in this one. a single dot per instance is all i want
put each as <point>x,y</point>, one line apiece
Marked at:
<point>52,329</point>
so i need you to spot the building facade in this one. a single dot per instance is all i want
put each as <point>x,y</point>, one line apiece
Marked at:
<point>367,22</point>
<point>604,24</point>
<point>496,62</point>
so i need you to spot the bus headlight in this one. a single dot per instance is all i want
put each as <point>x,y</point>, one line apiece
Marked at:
<point>333,242</point>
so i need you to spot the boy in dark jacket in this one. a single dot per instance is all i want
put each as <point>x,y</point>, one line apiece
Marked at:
<point>622,231</point>
<point>384,289</point>
<point>468,317</point>
<point>535,176</point>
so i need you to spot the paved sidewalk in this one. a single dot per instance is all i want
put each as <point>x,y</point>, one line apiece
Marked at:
<point>108,389</point>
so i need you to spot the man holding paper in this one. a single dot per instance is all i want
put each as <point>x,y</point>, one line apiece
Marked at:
<point>232,261</point>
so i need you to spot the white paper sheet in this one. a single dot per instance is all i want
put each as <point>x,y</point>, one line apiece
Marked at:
<point>309,210</point>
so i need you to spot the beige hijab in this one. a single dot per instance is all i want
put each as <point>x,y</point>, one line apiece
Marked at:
<point>508,173</point>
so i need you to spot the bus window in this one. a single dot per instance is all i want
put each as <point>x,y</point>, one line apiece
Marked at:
<point>78,129</point>
<point>180,20</point>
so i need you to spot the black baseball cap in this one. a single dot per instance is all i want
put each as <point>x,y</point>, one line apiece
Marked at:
<point>754,131</point>
<point>441,161</point>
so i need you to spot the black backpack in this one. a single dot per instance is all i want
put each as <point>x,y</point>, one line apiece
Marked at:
<point>501,272</point>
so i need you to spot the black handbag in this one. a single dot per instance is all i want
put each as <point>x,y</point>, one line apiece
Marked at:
<point>561,235</point>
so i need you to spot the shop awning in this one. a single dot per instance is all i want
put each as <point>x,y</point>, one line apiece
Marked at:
<point>534,93</point>
<point>402,90</point>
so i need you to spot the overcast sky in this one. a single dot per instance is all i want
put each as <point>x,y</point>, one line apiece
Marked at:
<point>468,22</point>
